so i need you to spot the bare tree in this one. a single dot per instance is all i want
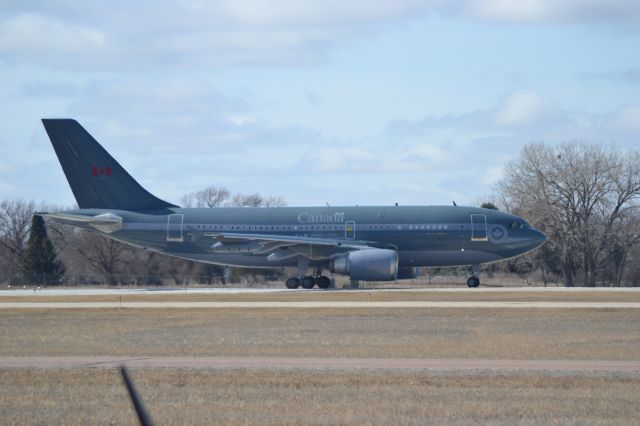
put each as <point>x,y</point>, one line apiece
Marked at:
<point>105,256</point>
<point>15,220</point>
<point>274,201</point>
<point>244,200</point>
<point>257,200</point>
<point>584,197</point>
<point>208,197</point>
<point>188,200</point>
<point>221,197</point>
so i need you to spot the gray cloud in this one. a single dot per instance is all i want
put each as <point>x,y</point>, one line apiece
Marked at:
<point>523,117</point>
<point>519,111</point>
<point>115,36</point>
<point>143,34</point>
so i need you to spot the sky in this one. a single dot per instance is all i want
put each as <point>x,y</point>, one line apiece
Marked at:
<point>347,103</point>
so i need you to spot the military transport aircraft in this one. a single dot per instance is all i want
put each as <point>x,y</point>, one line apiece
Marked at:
<point>382,243</point>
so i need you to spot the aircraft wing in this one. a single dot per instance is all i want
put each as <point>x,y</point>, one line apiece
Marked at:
<point>279,247</point>
<point>288,239</point>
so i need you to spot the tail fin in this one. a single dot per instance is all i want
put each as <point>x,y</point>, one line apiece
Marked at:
<point>96,179</point>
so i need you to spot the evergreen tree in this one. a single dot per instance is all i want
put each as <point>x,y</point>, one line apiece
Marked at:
<point>39,262</point>
<point>489,205</point>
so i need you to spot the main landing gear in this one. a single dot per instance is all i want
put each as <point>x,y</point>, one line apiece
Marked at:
<point>309,282</point>
<point>473,280</point>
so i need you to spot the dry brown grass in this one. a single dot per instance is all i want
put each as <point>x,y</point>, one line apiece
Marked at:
<point>97,396</point>
<point>603,334</point>
<point>348,296</point>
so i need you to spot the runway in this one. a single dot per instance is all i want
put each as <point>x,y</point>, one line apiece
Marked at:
<point>91,291</point>
<point>320,305</point>
<point>70,362</point>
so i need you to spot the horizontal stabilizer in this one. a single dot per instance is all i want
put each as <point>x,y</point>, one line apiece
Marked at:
<point>104,222</point>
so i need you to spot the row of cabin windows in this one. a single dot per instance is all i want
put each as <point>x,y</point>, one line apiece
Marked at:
<point>313,227</point>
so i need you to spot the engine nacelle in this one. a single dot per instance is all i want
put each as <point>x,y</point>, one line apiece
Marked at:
<point>408,273</point>
<point>368,264</point>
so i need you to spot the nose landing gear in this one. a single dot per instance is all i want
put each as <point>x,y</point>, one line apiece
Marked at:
<point>473,280</point>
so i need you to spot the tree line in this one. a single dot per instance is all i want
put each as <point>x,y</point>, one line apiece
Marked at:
<point>584,197</point>
<point>60,254</point>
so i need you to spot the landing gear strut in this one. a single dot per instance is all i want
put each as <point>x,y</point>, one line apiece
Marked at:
<point>473,280</point>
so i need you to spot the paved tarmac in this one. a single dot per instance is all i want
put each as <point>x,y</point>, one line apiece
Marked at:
<point>319,304</point>
<point>93,291</point>
<point>68,362</point>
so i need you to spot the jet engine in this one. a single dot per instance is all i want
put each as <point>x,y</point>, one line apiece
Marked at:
<point>368,264</point>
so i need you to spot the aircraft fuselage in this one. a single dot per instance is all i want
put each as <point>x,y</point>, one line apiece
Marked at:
<point>423,236</point>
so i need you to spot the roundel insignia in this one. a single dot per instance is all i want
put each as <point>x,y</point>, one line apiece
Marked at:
<point>497,233</point>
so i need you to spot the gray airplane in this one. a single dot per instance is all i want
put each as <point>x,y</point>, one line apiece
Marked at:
<point>382,243</point>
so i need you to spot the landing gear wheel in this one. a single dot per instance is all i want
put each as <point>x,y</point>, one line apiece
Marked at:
<point>323,282</point>
<point>473,282</point>
<point>293,283</point>
<point>308,282</point>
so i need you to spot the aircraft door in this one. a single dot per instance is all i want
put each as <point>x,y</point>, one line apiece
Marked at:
<point>478,227</point>
<point>174,227</point>
<point>350,229</point>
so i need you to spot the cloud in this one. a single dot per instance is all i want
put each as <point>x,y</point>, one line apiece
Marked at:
<point>192,33</point>
<point>523,108</point>
<point>629,76</point>
<point>554,10</point>
<point>516,111</point>
<point>627,119</point>
<point>387,159</point>
<point>41,88</point>
<point>201,34</point>
<point>313,98</point>
<point>521,117</point>
<point>40,35</point>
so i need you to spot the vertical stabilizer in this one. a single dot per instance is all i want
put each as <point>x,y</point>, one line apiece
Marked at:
<point>96,179</point>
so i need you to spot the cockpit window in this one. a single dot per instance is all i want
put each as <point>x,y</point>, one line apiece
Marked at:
<point>519,224</point>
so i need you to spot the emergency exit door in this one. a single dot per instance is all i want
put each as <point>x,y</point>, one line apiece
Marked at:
<point>174,227</point>
<point>478,227</point>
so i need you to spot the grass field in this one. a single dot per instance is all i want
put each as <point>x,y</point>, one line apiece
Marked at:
<point>602,334</point>
<point>274,397</point>
<point>252,396</point>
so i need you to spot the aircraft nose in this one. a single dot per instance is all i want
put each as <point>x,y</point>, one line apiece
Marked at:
<point>537,238</point>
